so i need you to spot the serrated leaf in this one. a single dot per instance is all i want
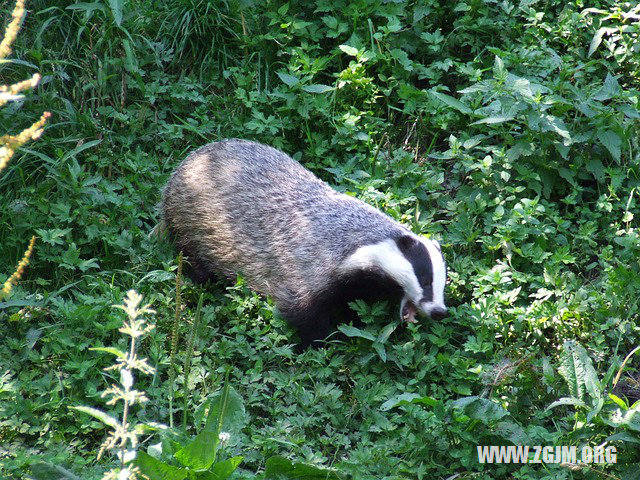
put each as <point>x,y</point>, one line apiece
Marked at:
<point>99,414</point>
<point>157,470</point>
<point>612,142</point>
<point>550,123</point>
<point>595,167</point>
<point>452,102</point>
<point>317,88</point>
<point>330,21</point>
<point>498,68</point>
<point>349,50</point>
<point>350,331</point>
<point>289,80</point>
<point>522,86</point>
<point>610,88</point>
<point>406,399</point>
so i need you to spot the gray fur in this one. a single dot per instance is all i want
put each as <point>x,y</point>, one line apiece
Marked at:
<point>239,207</point>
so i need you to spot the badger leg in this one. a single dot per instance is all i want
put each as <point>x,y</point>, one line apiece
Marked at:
<point>311,335</point>
<point>196,270</point>
<point>313,325</point>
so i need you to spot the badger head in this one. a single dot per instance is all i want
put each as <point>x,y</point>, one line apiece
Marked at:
<point>423,280</point>
<point>415,264</point>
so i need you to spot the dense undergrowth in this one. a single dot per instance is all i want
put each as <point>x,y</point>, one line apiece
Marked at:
<point>506,130</point>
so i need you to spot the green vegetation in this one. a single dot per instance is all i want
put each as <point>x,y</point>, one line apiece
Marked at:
<point>508,130</point>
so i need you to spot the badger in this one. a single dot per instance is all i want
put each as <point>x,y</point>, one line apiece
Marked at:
<point>237,207</point>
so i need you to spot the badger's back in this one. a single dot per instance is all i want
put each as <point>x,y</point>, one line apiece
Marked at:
<point>239,207</point>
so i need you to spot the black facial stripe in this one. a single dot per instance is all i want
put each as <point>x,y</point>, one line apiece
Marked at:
<point>418,255</point>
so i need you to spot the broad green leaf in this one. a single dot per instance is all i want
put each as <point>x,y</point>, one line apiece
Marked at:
<point>493,120</point>
<point>406,399</point>
<point>200,453</point>
<point>48,471</point>
<point>550,123</point>
<point>499,72</point>
<point>116,10</point>
<point>114,351</point>
<point>567,401</point>
<point>595,167</point>
<point>512,432</point>
<point>629,419</point>
<point>99,414</point>
<point>281,468</point>
<point>451,101</point>
<point>32,336</point>
<point>618,401</point>
<point>597,39</point>
<point>623,437</point>
<point>330,21</point>
<point>577,370</point>
<point>349,50</point>
<point>477,87</point>
<point>380,350</point>
<point>519,149</point>
<point>157,470</point>
<point>521,86</point>
<point>80,148</point>
<point>289,80</point>
<point>629,111</point>
<point>350,331</point>
<point>225,411</point>
<point>612,142</point>
<point>317,88</point>
<point>221,470</point>
<point>386,332</point>
<point>480,409</point>
<point>610,88</point>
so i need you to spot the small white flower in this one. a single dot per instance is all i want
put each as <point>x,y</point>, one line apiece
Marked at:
<point>124,474</point>
<point>224,437</point>
<point>126,378</point>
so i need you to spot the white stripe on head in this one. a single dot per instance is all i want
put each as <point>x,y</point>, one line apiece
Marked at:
<point>439,273</point>
<point>386,256</point>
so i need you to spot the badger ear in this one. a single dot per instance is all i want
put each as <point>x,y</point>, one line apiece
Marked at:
<point>405,242</point>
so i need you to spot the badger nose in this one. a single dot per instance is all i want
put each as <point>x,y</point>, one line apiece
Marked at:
<point>438,313</point>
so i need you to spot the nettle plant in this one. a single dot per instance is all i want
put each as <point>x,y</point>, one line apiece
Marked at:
<point>10,143</point>
<point>531,119</point>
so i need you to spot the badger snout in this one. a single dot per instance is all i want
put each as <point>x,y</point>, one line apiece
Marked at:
<point>438,313</point>
<point>408,310</point>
